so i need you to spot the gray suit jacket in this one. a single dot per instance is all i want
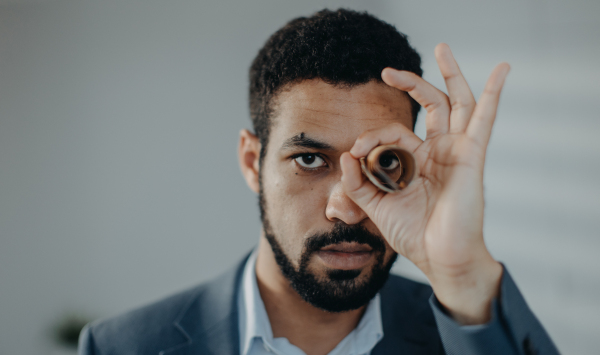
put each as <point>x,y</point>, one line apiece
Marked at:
<point>204,320</point>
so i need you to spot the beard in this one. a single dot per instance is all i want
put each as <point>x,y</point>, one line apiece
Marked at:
<point>338,290</point>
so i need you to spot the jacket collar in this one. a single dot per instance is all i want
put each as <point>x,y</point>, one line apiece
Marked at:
<point>209,321</point>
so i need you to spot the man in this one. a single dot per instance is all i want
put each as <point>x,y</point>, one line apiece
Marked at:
<point>324,91</point>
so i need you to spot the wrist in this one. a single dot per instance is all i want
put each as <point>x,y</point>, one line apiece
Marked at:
<point>467,293</point>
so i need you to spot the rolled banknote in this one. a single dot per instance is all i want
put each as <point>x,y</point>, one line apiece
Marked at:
<point>389,167</point>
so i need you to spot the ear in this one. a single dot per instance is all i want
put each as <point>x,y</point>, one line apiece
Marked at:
<point>248,155</point>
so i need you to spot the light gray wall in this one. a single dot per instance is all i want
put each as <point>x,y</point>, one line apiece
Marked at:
<point>115,116</point>
<point>542,185</point>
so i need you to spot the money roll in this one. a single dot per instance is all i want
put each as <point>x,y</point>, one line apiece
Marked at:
<point>389,167</point>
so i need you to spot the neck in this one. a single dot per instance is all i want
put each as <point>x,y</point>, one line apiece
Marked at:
<point>313,330</point>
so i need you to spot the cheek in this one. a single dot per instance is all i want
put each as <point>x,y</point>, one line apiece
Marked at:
<point>295,207</point>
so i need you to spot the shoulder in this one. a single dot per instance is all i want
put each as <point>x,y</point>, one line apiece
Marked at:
<point>158,326</point>
<point>143,330</point>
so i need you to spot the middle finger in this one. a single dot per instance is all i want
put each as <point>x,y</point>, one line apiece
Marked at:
<point>462,101</point>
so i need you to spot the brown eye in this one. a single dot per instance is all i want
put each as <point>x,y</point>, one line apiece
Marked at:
<point>310,161</point>
<point>389,161</point>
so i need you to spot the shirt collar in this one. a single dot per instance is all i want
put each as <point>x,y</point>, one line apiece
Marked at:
<point>254,321</point>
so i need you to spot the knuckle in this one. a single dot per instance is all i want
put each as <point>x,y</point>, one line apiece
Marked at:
<point>411,75</point>
<point>491,91</point>
<point>398,129</point>
<point>441,103</point>
<point>451,74</point>
<point>396,126</point>
<point>366,135</point>
<point>462,105</point>
<point>414,80</point>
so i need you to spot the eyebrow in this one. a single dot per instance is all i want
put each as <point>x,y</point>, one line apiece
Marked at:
<point>300,140</point>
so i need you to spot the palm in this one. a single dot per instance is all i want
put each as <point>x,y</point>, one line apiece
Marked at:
<point>432,224</point>
<point>437,220</point>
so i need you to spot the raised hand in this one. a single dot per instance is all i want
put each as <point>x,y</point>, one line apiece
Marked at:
<point>437,221</point>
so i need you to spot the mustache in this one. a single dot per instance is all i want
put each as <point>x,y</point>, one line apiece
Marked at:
<point>342,232</point>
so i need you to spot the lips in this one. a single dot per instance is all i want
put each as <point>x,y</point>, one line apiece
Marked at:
<point>346,256</point>
<point>346,247</point>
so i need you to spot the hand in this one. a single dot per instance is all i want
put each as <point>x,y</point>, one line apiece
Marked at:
<point>437,221</point>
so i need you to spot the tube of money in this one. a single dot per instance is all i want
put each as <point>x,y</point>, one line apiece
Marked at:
<point>389,167</point>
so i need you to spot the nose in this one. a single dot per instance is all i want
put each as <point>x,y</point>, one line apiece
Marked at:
<point>341,208</point>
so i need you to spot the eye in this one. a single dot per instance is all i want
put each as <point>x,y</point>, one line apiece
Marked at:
<point>310,161</point>
<point>389,161</point>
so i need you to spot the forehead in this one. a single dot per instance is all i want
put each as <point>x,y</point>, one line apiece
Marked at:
<point>337,114</point>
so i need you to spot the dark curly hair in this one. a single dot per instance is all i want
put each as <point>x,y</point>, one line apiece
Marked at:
<point>342,47</point>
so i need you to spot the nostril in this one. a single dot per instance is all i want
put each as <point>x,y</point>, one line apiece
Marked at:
<point>345,210</point>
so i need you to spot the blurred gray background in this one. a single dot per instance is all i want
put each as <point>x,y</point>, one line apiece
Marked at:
<point>119,181</point>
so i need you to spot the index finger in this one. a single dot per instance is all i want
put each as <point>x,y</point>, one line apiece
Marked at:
<point>395,133</point>
<point>431,98</point>
<point>462,102</point>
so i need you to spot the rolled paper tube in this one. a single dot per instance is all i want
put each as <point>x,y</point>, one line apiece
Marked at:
<point>389,167</point>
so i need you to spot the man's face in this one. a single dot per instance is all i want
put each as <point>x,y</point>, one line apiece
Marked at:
<point>331,252</point>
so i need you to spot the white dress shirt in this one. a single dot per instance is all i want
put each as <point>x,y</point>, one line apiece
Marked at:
<point>256,335</point>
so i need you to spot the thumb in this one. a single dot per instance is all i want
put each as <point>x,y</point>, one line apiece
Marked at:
<point>357,186</point>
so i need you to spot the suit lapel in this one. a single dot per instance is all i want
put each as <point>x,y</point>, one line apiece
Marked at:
<point>408,323</point>
<point>210,319</point>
